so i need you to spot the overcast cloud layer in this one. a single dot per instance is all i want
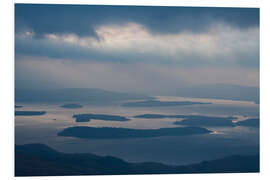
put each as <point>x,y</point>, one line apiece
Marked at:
<point>137,49</point>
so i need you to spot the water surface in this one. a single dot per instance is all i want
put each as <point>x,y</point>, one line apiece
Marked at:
<point>170,150</point>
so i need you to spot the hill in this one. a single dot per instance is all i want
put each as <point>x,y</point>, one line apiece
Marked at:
<point>74,95</point>
<point>41,160</point>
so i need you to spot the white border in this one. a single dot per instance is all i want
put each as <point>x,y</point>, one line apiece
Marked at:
<point>7,84</point>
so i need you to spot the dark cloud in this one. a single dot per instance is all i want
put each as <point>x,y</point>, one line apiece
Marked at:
<point>82,19</point>
<point>138,48</point>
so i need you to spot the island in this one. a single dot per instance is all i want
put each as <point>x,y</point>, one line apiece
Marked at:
<point>159,116</point>
<point>249,122</point>
<point>105,117</point>
<point>18,106</point>
<point>120,133</point>
<point>41,160</point>
<point>72,106</point>
<point>29,113</point>
<point>193,120</point>
<point>206,121</point>
<point>156,103</point>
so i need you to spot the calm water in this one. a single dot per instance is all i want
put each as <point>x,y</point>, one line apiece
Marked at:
<point>169,150</point>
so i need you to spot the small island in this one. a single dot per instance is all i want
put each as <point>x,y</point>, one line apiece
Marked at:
<point>29,113</point>
<point>206,121</point>
<point>193,120</point>
<point>196,120</point>
<point>159,116</point>
<point>249,122</point>
<point>120,133</point>
<point>88,117</point>
<point>72,106</point>
<point>155,103</point>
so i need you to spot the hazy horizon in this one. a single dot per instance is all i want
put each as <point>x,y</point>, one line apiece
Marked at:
<point>135,49</point>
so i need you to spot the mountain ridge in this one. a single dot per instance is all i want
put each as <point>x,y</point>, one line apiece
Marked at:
<point>41,160</point>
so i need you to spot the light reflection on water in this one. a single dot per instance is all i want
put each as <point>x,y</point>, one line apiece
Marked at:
<point>170,150</point>
<point>216,101</point>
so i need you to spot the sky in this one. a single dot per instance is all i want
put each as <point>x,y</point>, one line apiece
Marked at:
<point>135,48</point>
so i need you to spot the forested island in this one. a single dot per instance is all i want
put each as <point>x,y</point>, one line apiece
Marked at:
<point>206,121</point>
<point>249,122</point>
<point>200,120</point>
<point>120,133</point>
<point>105,117</point>
<point>71,106</point>
<point>29,113</point>
<point>193,120</point>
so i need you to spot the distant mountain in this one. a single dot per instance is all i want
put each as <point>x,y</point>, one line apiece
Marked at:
<point>216,91</point>
<point>74,95</point>
<point>219,91</point>
<point>40,160</point>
